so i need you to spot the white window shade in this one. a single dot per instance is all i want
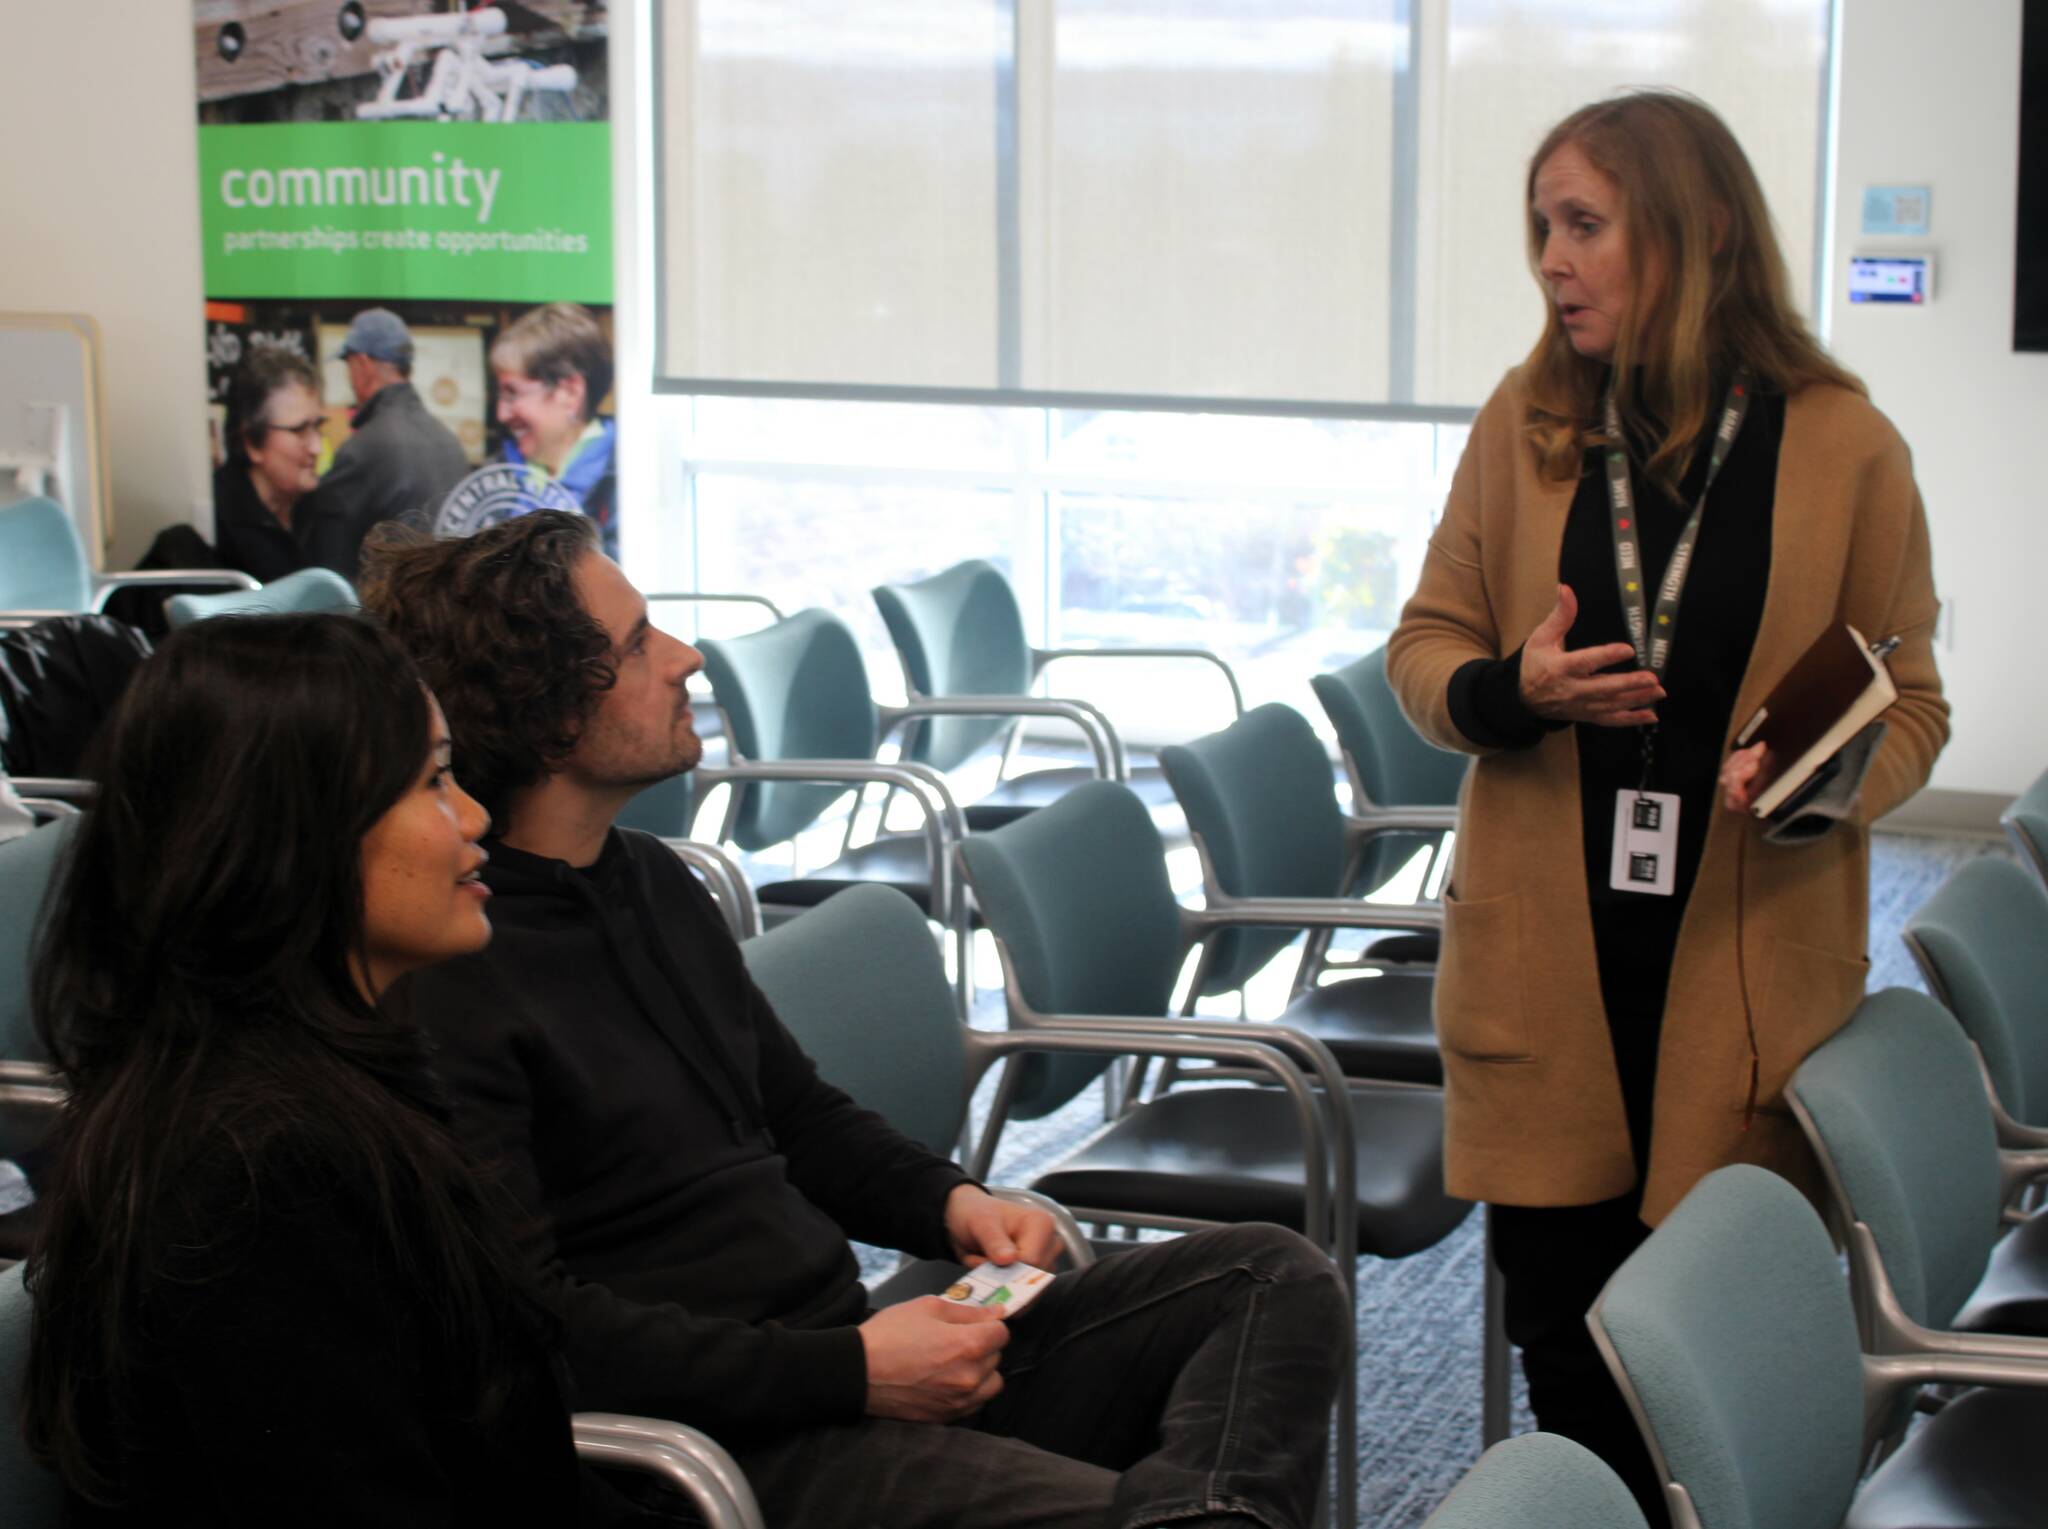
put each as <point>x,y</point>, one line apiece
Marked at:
<point>1274,205</point>
<point>829,177</point>
<point>1508,70</point>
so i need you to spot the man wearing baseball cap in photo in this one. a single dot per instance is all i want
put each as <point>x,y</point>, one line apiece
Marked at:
<point>400,460</point>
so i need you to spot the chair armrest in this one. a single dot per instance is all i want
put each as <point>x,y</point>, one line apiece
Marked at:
<point>1041,658</point>
<point>1359,826</point>
<point>1893,1335</point>
<point>45,809</point>
<point>1104,1036</point>
<point>2018,1170</point>
<point>1224,912</point>
<point>1080,1251</point>
<point>944,823</point>
<point>706,597</point>
<point>104,584</point>
<point>729,885</point>
<point>32,1095</point>
<point>56,788</point>
<point>688,1460</point>
<point>1103,741</point>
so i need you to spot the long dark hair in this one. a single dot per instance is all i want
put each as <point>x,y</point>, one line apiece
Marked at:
<point>195,982</point>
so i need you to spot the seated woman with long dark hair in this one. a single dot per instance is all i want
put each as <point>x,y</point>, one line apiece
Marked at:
<point>268,1288</point>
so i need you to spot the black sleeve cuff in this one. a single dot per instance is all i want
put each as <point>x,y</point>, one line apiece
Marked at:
<point>1486,705</point>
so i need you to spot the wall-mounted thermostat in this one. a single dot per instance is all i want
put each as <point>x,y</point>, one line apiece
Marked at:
<point>1891,278</point>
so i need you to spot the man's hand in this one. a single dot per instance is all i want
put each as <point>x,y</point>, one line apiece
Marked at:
<point>931,1361</point>
<point>1568,687</point>
<point>1738,777</point>
<point>984,1229</point>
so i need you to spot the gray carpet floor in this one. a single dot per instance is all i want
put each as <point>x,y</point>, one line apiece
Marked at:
<point>1419,1317</point>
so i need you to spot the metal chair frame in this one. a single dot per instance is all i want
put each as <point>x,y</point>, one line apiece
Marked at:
<point>1881,1322</point>
<point>729,885</point>
<point>104,586</point>
<point>943,826</point>
<point>686,1459</point>
<point>1289,1055</point>
<point>1289,1058</point>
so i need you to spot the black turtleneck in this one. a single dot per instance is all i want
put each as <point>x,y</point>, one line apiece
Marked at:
<point>690,1182</point>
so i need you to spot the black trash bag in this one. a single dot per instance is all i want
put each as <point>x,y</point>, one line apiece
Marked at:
<point>142,605</point>
<point>58,681</point>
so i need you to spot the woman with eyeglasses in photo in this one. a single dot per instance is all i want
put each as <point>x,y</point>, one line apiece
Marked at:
<point>1659,511</point>
<point>268,1287</point>
<point>273,430</point>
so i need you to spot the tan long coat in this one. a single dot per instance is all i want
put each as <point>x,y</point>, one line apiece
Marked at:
<point>1533,1101</point>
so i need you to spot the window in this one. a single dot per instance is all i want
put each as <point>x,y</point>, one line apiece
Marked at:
<point>1306,205</point>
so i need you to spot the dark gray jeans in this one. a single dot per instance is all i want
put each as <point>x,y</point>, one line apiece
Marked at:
<point>1186,1382</point>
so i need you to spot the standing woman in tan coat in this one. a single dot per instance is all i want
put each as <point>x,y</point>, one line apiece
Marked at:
<point>1612,1031</point>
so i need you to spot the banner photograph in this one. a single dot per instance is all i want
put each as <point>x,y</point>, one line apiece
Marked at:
<point>406,213</point>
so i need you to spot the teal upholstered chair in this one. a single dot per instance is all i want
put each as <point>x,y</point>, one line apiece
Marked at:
<point>704,713</point>
<point>309,589</point>
<point>32,1498</point>
<point>860,985</point>
<point>960,635</point>
<point>2026,824</point>
<point>666,809</point>
<point>44,570</point>
<point>1895,1108</point>
<point>1077,896</point>
<point>1731,1333</point>
<point>1982,943</point>
<point>29,1092</point>
<point>1091,938</point>
<point>1402,786</point>
<point>1263,812</point>
<point>1539,1481</point>
<point>802,732</point>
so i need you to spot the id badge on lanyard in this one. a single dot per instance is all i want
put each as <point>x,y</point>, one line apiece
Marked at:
<point>1645,821</point>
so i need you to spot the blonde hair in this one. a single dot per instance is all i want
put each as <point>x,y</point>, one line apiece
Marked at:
<point>1711,294</point>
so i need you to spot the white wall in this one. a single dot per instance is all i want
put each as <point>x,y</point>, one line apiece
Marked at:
<point>1933,99</point>
<point>100,205</point>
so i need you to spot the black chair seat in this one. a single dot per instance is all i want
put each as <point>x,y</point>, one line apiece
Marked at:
<point>1234,1154</point>
<point>1376,1027</point>
<point>1034,789</point>
<point>1976,1464</point>
<point>1417,947</point>
<point>895,860</point>
<point>2013,1295</point>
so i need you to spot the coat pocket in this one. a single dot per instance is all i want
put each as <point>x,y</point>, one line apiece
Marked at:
<point>1808,995</point>
<point>1479,980</point>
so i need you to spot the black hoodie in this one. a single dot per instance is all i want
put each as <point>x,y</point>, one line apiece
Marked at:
<point>689,1180</point>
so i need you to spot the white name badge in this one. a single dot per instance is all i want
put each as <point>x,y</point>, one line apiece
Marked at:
<point>1645,842</point>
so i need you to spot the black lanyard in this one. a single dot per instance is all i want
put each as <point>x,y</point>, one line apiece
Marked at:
<point>1652,628</point>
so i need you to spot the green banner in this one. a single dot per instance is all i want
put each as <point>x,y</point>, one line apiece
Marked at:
<point>512,211</point>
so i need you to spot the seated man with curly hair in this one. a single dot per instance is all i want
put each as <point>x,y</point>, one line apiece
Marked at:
<point>690,1182</point>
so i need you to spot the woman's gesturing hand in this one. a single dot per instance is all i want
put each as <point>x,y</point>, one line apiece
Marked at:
<point>1568,687</point>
